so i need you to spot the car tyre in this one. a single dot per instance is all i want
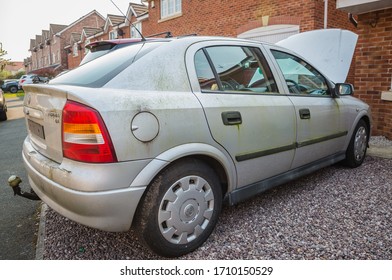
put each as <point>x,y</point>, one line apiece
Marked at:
<point>13,89</point>
<point>356,150</point>
<point>180,208</point>
<point>3,116</point>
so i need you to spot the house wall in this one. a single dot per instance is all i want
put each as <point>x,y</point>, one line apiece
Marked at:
<point>92,20</point>
<point>223,18</point>
<point>373,69</point>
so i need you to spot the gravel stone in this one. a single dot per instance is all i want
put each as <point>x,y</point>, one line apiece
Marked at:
<point>335,213</point>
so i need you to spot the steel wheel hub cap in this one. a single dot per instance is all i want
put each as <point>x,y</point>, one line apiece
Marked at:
<point>186,210</point>
<point>360,143</point>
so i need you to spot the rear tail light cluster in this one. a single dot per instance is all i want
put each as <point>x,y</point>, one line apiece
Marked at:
<point>85,137</point>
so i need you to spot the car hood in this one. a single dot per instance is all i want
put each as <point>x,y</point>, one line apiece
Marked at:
<point>329,50</point>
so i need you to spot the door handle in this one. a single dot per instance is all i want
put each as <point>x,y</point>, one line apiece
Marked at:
<point>231,118</point>
<point>304,114</point>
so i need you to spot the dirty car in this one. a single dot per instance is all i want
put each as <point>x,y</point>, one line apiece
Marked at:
<point>159,134</point>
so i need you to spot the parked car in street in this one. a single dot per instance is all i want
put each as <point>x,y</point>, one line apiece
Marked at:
<point>32,79</point>
<point>3,107</point>
<point>10,86</point>
<point>158,134</point>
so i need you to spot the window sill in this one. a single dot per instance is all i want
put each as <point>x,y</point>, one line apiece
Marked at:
<point>386,95</point>
<point>170,17</point>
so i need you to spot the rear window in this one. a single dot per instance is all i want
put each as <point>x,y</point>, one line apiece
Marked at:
<point>97,52</point>
<point>99,71</point>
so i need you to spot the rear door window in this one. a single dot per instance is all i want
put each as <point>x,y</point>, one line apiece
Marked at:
<point>233,69</point>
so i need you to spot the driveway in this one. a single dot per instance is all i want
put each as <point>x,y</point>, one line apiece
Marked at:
<point>18,218</point>
<point>335,213</point>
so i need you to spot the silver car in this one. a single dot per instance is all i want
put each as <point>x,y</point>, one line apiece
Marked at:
<point>158,134</point>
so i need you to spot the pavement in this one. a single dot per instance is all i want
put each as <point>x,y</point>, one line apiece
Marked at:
<point>379,151</point>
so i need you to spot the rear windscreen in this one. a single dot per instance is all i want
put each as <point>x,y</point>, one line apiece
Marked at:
<point>97,51</point>
<point>99,71</point>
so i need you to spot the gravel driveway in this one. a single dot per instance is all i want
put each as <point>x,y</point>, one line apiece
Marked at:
<point>335,213</point>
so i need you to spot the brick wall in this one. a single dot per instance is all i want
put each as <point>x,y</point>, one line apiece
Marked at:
<point>225,18</point>
<point>92,20</point>
<point>374,67</point>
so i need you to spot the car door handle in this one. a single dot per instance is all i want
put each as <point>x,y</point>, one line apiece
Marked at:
<point>231,118</point>
<point>304,114</point>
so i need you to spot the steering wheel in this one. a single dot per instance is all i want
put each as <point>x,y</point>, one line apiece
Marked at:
<point>293,86</point>
<point>227,86</point>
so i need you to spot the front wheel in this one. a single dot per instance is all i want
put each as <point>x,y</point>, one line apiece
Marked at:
<point>180,209</point>
<point>356,150</point>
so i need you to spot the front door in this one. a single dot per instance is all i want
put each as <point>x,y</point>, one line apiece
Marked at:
<point>320,130</point>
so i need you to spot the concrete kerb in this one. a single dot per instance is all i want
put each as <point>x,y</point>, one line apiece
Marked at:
<point>384,152</point>
<point>39,253</point>
<point>376,151</point>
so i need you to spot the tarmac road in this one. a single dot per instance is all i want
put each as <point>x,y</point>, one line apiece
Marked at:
<point>18,216</point>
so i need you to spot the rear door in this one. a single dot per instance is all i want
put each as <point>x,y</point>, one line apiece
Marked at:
<point>245,112</point>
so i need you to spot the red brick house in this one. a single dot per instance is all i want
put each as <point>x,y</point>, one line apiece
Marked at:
<point>373,67</point>
<point>49,50</point>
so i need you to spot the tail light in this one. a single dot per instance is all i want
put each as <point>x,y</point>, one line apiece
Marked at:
<point>85,137</point>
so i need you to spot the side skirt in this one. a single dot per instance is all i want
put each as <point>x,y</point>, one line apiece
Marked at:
<point>249,191</point>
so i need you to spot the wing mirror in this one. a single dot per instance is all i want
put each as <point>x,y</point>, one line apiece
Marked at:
<point>343,89</point>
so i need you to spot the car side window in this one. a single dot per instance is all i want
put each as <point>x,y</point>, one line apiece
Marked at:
<point>301,78</point>
<point>233,69</point>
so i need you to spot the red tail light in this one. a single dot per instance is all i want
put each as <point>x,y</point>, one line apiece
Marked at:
<point>85,137</point>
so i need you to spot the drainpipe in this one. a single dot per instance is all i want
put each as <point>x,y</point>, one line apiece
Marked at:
<point>325,14</point>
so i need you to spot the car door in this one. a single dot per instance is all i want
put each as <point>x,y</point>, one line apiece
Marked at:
<point>320,125</point>
<point>246,113</point>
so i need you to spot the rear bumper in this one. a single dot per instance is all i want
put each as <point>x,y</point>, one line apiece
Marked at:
<point>109,210</point>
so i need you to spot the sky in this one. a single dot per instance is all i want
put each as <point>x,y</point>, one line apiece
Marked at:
<point>21,20</point>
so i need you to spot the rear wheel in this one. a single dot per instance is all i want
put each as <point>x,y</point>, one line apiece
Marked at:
<point>3,116</point>
<point>180,209</point>
<point>13,89</point>
<point>356,150</point>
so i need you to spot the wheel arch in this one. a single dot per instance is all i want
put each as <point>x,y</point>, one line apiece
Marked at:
<point>218,160</point>
<point>367,119</point>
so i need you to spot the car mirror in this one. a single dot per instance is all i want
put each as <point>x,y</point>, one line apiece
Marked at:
<point>343,89</point>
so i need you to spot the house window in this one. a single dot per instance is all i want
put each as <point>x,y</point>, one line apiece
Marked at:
<point>75,49</point>
<point>170,8</point>
<point>86,50</point>
<point>134,33</point>
<point>53,58</point>
<point>113,35</point>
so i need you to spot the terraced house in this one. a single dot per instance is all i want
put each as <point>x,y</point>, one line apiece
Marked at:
<point>49,48</point>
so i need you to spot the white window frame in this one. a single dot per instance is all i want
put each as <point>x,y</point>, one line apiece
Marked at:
<point>113,34</point>
<point>86,50</point>
<point>134,33</point>
<point>75,50</point>
<point>170,8</point>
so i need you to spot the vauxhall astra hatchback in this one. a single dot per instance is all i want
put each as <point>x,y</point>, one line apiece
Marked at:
<point>159,134</point>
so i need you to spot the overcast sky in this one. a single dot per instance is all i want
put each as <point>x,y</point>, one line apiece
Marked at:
<point>21,20</point>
